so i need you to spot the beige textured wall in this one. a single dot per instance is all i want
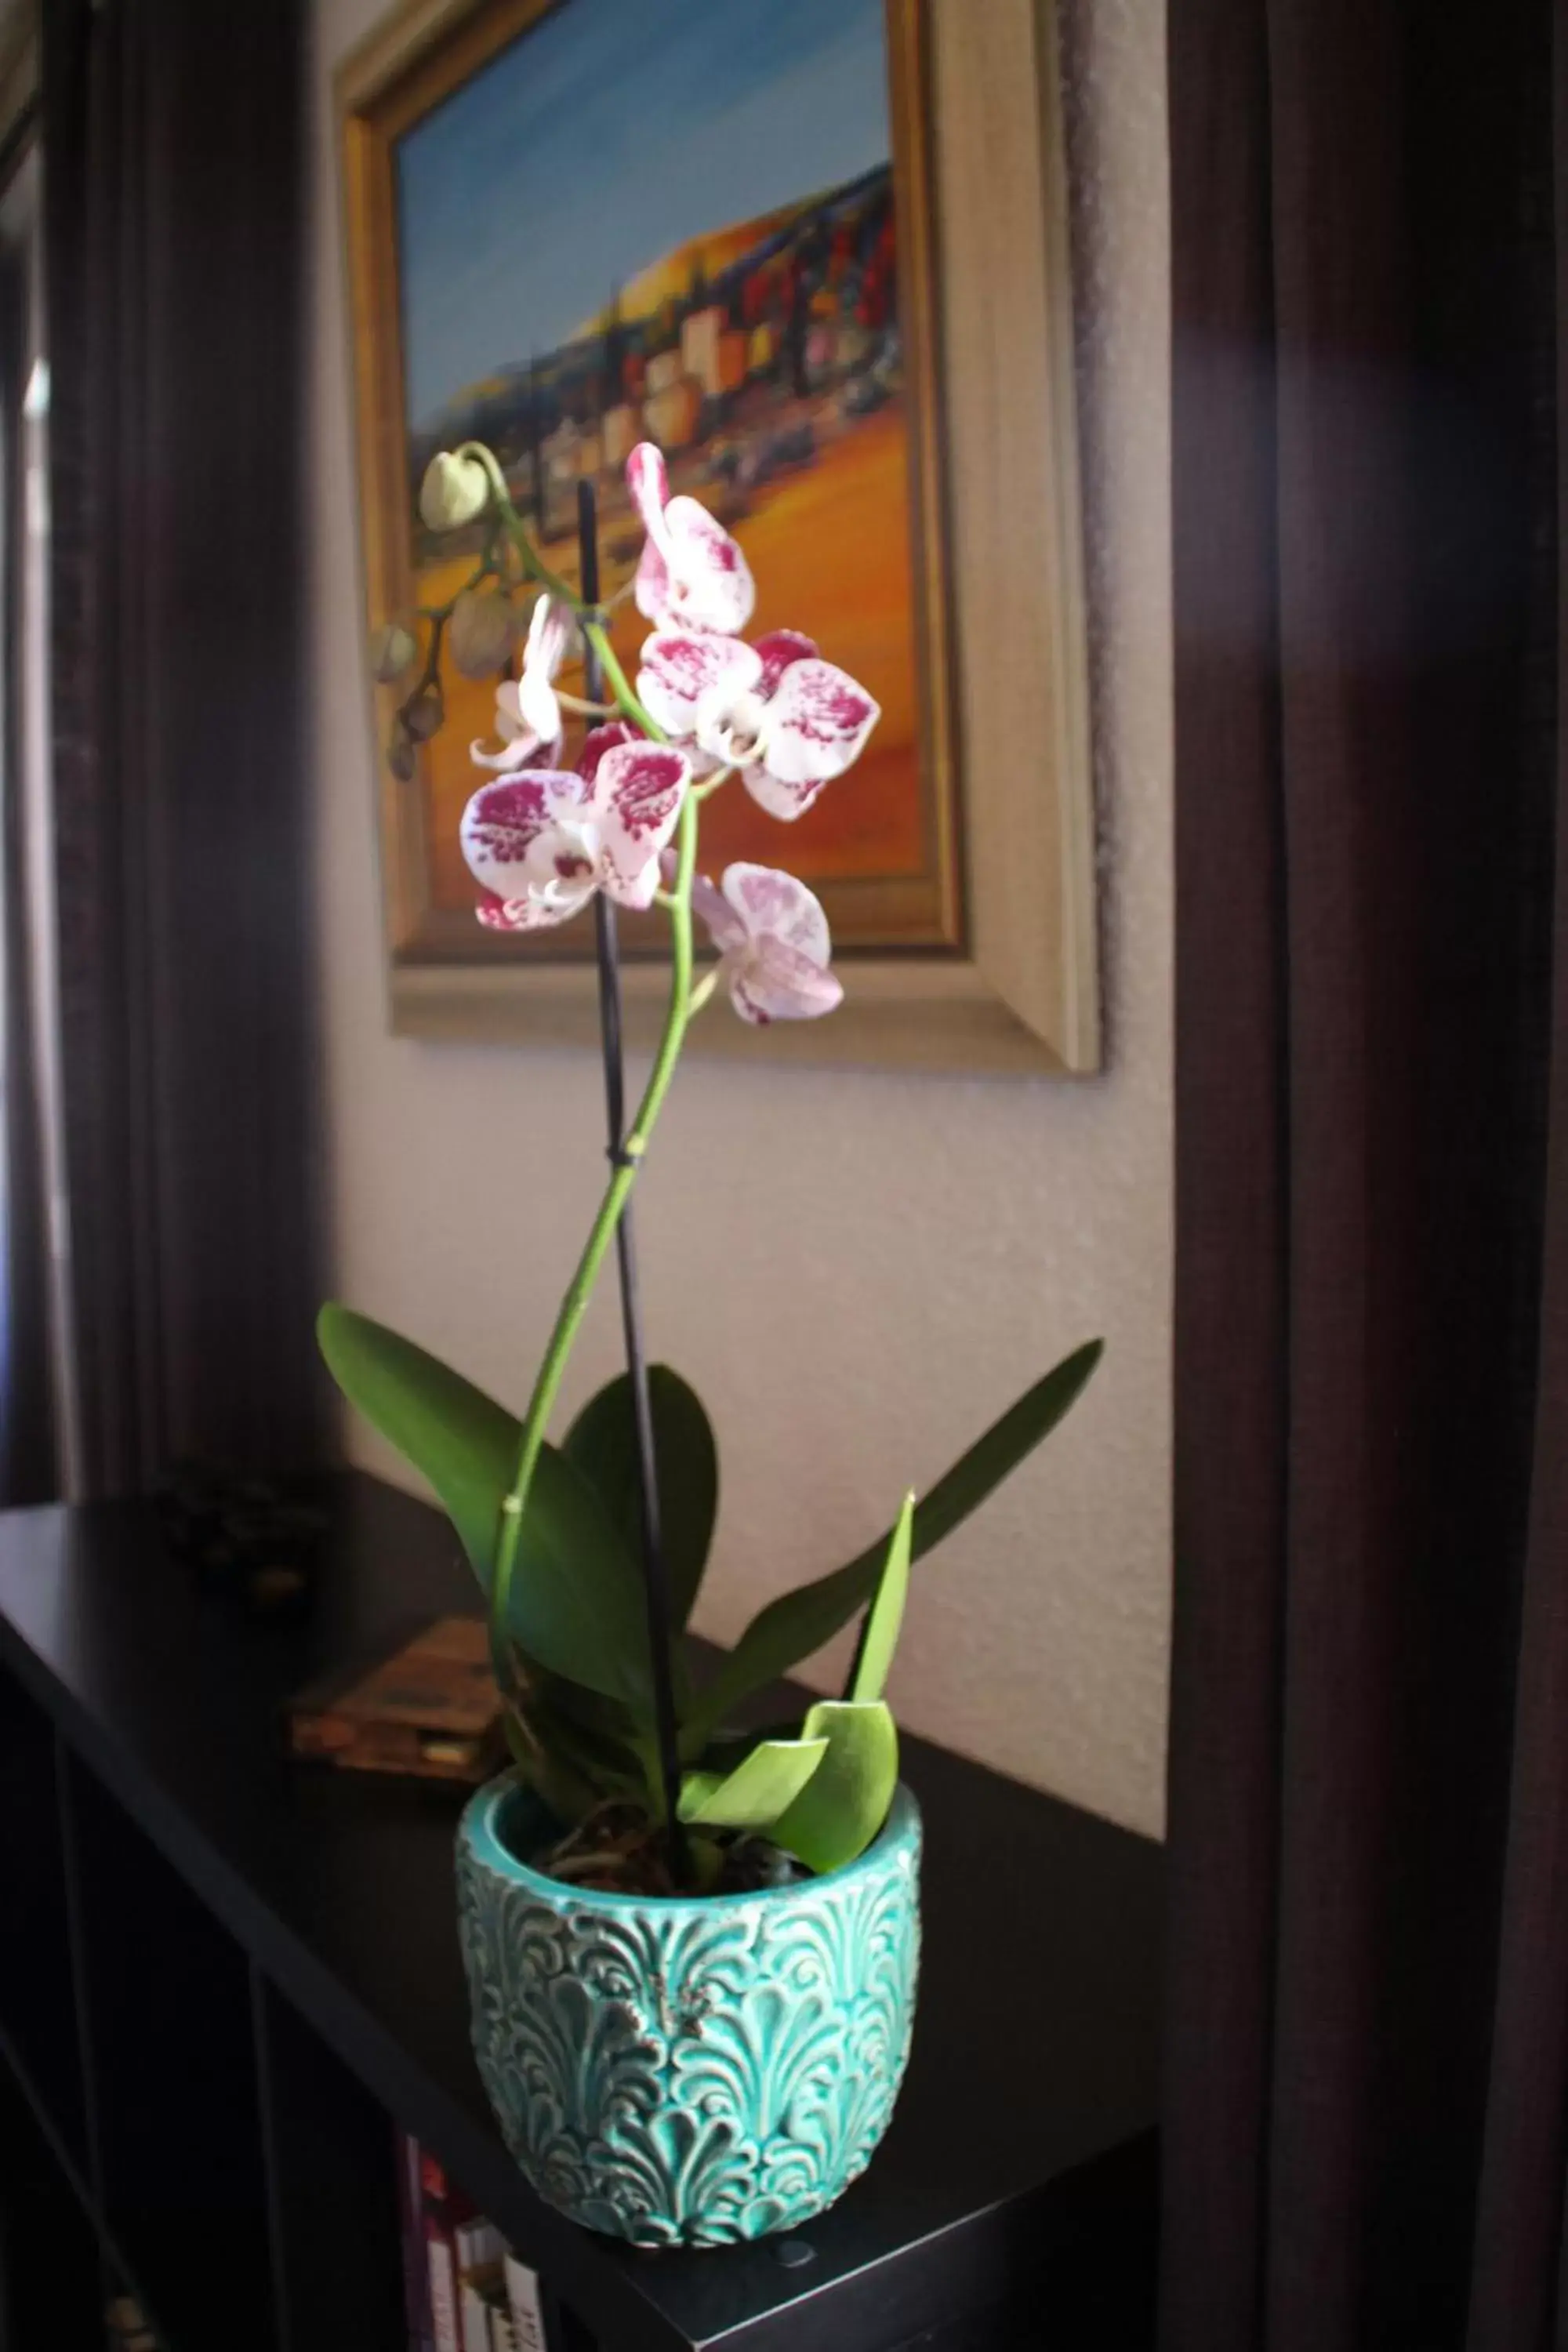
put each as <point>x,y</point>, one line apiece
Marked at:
<point>857,1271</point>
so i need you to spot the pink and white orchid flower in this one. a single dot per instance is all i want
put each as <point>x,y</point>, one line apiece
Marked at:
<point>541,842</point>
<point>788,720</point>
<point>528,714</point>
<point>692,574</point>
<point>774,943</point>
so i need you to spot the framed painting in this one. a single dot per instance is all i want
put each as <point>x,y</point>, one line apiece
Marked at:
<point>817,250</point>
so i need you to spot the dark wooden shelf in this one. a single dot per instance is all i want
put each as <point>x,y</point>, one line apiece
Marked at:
<point>264,1955</point>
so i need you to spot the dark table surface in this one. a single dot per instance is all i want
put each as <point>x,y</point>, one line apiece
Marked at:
<point>1035,2050</point>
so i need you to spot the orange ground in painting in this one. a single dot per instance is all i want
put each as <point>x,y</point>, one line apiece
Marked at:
<point>829,549</point>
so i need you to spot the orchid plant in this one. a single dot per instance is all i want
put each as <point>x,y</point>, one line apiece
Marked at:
<point>592,1552</point>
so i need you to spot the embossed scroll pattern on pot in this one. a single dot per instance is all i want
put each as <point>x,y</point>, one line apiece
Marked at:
<point>683,2072</point>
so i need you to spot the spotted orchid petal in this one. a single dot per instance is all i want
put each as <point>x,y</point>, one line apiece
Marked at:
<point>685,672</point>
<point>709,582</point>
<point>638,792</point>
<point>518,744</point>
<point>692,573</point>
<point>548,635</point>
<point>774,942</point>
<point>647,479</point>
<point>555,904</point>
<point>528,714</point>
<point>531,843</point>
<point>510,723</point>
<point>816,727</point>
<point>776,651</point>
<point>774,982</point>
<point>772,904</point>
<point>725,928</point>
<point>600,739</point>
<point>515,754</point>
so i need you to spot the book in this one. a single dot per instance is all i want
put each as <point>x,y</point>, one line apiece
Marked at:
<point>444,2316</point>
<point>527,2306</point>
<point>476,2320</point>
<point>483,2288</point>
<point>430,1709</point>
<point>478,2247</point>
<point>411,2237</point>
<point>465,2290</point>
<point>444,2211</point>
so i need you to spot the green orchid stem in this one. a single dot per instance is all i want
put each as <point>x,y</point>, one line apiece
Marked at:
<point>516,530</point>
<point>547,1387</point>
<point>590,615</point>
<point>486,571</point>
<point>618,1192</point>
<point>598,638</point>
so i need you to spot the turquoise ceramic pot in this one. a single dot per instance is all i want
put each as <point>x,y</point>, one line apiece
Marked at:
<point>688,2071</point>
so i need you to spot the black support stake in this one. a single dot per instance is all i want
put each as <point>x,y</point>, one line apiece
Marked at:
<point>656,1580</point>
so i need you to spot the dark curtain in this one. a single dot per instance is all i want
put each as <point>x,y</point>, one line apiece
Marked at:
<point>1367,2088</point>
<point>29,1452</point>
<point>174,174</point>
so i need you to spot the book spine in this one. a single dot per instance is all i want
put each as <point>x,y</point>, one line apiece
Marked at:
<point>476,2321</point>
<point>479,2246</point>
<point>444,2210</point>
<point>411,2238</point>
<point>443,2289</point>
<point>527,2306</point>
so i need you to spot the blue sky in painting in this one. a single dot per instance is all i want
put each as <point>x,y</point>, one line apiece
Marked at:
<point>606,134</point>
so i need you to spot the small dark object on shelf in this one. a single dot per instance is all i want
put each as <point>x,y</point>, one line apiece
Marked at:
<point>127,2326</point>
<point>246,1537</point>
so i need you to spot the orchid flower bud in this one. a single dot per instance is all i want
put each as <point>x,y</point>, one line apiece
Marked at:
<point>455,490</point>
<point>400,755</point>
<point>392,649</point>
<point>479,634</point>
<point>423,715</point>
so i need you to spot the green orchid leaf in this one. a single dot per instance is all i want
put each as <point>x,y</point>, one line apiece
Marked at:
<point>705,1858</point>
<point>564,1793</point>
<point>603,1443</point>
<point>757,1792</point>
<point>576,1601</point>
<point>575,1605</point>
<point>600,1723</point>
<point>792,1627</point>
<point>458,1438</point>
<point>886,1614</point>
<point>552,1713</point>
<point>727,1748</point>
<point>845,1803</point>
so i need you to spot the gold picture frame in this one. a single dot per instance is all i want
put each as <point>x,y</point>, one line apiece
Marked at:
<point>995,966</point>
